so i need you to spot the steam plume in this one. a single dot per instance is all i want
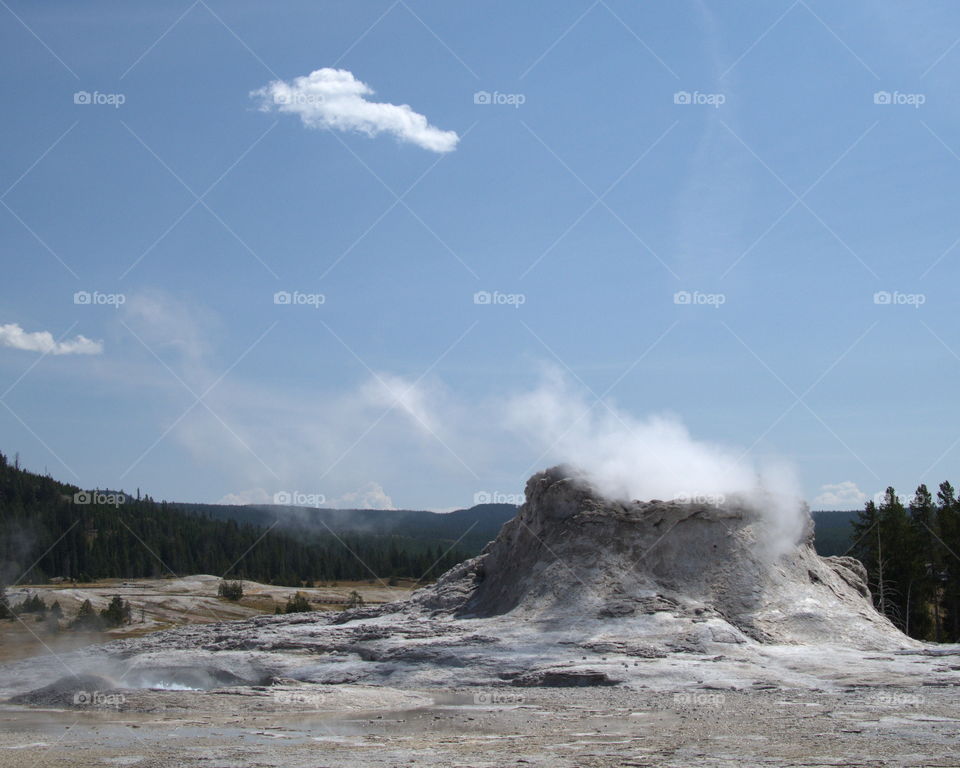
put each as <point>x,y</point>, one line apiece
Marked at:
<point>654,458</point>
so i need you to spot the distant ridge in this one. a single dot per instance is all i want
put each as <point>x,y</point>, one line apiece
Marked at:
<point>50,529</point>
<point>472,527</point>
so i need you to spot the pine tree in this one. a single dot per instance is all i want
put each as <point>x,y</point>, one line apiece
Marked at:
<point>117,613</point>
<point>298,603</point>
<point>948,513</point>
<point>87,618</point>
<point>877,529</point>
<point>926,567</point>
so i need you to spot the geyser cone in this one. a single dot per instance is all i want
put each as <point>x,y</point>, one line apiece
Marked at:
<point>573,556</point>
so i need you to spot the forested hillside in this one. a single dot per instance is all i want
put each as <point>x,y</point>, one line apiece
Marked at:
<point>45,533</point>
<point>833,534</point>
<point>473,527</point>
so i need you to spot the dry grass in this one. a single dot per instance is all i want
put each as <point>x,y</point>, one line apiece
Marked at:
<point>162,603</point>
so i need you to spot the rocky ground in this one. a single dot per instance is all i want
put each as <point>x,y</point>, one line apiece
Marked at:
<point>295,725</point>
<point>590,633</point>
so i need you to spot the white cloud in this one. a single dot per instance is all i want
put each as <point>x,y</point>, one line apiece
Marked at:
<point>845,494</point>
<point>334,98</point>
<point>250,496</point>
<point>372,496</point>
<point>12,335</point>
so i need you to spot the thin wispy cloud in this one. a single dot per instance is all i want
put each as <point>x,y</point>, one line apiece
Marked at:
<point>170,323</point>
<point>13,336</point>
<point>335,99</point>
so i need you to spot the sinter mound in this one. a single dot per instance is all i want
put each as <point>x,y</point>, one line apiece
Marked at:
<point>570,553</point>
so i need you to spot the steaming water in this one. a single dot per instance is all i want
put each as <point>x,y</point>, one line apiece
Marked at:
<point>163,685</point>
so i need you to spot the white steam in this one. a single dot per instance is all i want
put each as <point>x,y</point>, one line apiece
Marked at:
<point>655,458</point>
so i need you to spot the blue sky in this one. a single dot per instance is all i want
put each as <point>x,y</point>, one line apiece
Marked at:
<point>816,166</point>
